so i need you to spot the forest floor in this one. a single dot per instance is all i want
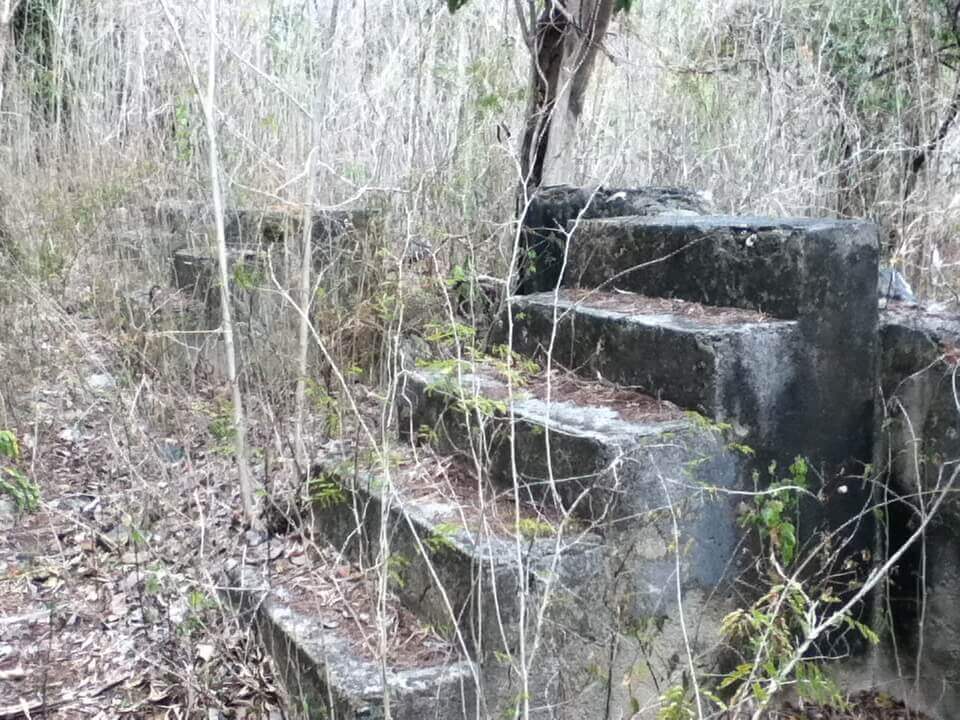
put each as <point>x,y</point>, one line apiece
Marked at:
<point>108,603</point>
<point>108,591</point>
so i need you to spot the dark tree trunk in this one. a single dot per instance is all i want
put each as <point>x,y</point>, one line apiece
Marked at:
<point>547,52</point>
<point>564,46</point>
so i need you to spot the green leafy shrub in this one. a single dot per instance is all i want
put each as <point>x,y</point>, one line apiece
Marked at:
<point>13,481</point>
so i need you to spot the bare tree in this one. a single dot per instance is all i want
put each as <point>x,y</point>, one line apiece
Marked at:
<point>208,104</point>
<point>7,9</point>
<point>563,42</point>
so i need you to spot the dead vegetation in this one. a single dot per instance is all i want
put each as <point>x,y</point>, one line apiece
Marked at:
<point>109,600</point>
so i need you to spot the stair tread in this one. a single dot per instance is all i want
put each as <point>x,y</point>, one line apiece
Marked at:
<point>449,537</point>
<point>655,311</point>
<point>445,492</point>
<point>441,495</point>
<point>566,404</point>
<point>317,642</point>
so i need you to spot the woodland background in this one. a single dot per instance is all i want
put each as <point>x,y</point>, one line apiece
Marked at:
<point>833,108</point>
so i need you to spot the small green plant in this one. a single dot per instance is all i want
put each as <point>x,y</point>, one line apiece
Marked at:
<point>9,447</point>
<point>705,423</point>
<point>450,333</point>
<point>427,434</point>
<point>483,406</point>
<point>221,424</point>
<point>534,528</point>
<point>199,605</point>
<point>515,710</point>
<point>13,482</point>
<point>441,538</point>
<point>744,450</point>
<point>675,704</point>
<point>774,512</point>
<point>152,583</point>
<point>325,405</point>
<point>326,491</point>
<point>396,569</point>
<point>769,632</point>
<point>247,277</point>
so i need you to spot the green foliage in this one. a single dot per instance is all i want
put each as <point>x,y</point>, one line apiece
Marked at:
<point>675,704</point>
<point>325,405</point>
<point>221,424</point>
<point>248,277</point>
<point>13,481</point>
<point>441,538</point>
<point>483,406</point>
<point>396,569</point>
<point>451,333</point>
<point>705,423</point>
<point>9,447</point>
<point>326,491</point>
<point>199,606</point>
<point>533,528</point>
<point>774,513</point>
<point>770,632</point>
<point>427,434</point>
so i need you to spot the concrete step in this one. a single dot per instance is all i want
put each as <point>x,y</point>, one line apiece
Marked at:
<point>785,267</point>
<point>456,555</point>
<point>578,447</point>
<point>821,273</point>
<point>327,671</point>
<point>251,226</point>
<point>644,476</point>
<point>727,363</point>
<point>550,210</point>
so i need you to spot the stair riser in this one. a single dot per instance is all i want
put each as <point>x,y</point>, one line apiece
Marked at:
<point>551,208</point>
<point>787,268</point>
<point>578,464</point>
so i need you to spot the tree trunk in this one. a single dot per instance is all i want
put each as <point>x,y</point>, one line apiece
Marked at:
<point>564,47</point>
<point>7,9</point>
<point>239,418</point>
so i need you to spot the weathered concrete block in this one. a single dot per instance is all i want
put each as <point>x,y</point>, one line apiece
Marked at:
<point>821,273</point>
<point>196,272</point>
<point>552,208</point>
<point>452,577</point>
<point>920,448</point>
<point>252,226</point>
<point>326,677</point>
<point>732,365</point>
<point>620,461</point>
<point>629,468</point>
<point>143,244</point>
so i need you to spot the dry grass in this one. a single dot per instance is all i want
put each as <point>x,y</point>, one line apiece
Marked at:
<point>417,114</point>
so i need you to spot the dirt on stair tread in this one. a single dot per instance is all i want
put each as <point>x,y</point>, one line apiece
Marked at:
<point>474,503</point>
<point>563,386</point>
<point>342,597</point>
<point>631,405</point>
<point>865,705</point>
<point>629,303</point>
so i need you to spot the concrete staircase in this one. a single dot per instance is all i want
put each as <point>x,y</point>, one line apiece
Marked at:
<point>581,560</point>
